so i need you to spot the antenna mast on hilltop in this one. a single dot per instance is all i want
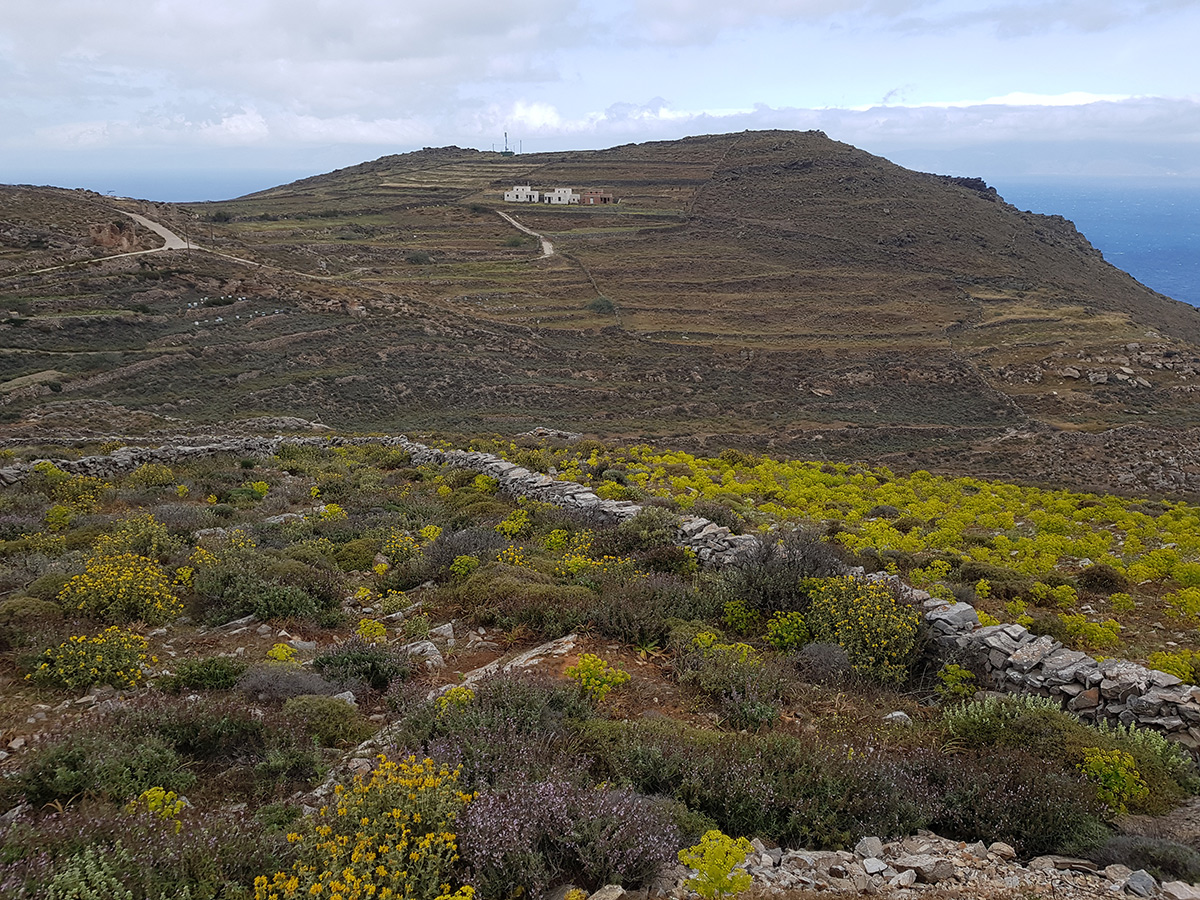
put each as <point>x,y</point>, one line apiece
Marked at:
<point>506,152</point>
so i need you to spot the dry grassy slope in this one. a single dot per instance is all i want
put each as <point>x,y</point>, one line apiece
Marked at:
<point>771,289</point>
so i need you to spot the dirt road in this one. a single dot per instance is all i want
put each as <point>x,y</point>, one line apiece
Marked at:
<point>547,247</point>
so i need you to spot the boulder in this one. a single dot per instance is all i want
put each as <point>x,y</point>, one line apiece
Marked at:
<point>1141,884</point>
<point>929,868</point>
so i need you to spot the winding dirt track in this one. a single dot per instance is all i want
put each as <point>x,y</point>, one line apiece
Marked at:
<point>547,247</point>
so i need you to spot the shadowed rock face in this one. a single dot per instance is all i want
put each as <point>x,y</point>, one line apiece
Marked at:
<point>119,237</point>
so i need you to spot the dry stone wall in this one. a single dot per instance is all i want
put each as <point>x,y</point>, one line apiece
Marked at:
<point>1011,658</point>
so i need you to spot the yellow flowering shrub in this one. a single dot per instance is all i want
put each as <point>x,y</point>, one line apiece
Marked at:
<point>595,676</point>
<point>1115,774</point>
<point>123,587</point>
<point>388,836</point>
<point>512,556</point>
<point>1091,635</point>
<point>877,631</point>
<point>400,547</point>
<point>394,601</point>
<point>151,475</point>
<point>430,533</point>
<point>283,654</point>
<point>160,802</point>
<point>1184,664</point>
<point>332,512</point>
<point>114,656</point>
<point>371,631</point>
<point>455,698</point>
<point>514,524</point>
<point>715,860</point>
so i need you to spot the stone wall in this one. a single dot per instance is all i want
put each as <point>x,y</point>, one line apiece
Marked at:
<point>1010,657</point>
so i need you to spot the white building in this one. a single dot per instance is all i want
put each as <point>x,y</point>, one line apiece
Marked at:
<point>560,197</point>
<point>521,193</point>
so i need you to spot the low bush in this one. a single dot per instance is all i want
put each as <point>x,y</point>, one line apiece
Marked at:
<point>103,762</point>
<point>1102,578</point>
<point>1165,859</point>
<point>356,662</point>
<point>216,673</point>
<point>511,596</point>
<point>329,721</point>
<point>539,834</point>
<point>771,576</point>
<point>276,684</point>
<point>821,663</point>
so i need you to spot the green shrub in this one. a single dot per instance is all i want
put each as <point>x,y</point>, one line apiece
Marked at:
<point>329,721</point>
<point>48,586</point>
<point>355,661</point>
<point>92,874</point>
<point>216,673</point>
<point>955,683</point>
<point>111,765</point>
<point>357,555</point>
<point>650,528</point>
<point>27,613</point>
<point>786,632</point>
<point>1116,777</point>
<point>1166,860</point>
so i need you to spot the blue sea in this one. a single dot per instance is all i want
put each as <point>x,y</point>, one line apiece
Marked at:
<point>1148,227</point>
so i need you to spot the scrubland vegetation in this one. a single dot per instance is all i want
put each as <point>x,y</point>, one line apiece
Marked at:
<point>176,755</point>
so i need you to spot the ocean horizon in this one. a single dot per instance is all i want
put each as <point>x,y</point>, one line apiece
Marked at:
<point>1149,227</point>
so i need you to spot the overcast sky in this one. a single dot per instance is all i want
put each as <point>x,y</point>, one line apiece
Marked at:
<point>215,97</point>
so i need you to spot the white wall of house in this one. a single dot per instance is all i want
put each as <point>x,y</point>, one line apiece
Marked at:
<point>560,197</point>
<point>521,193</point>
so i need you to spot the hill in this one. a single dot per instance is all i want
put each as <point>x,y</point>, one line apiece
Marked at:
<point>776,290</point>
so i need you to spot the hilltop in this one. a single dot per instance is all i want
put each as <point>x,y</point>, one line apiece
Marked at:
<point>773,290</point>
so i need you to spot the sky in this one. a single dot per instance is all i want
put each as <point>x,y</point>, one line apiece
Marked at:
<point>204,100</point>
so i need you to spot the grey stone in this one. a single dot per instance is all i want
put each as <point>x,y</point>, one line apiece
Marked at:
<point>347,697</point>
<point>868,847</point>
<point>608,892</point>
<point>959,616</point>
<point>929,868</point>
<point>1141,884</point>
<point>873,866</point>
<point>898,718</point>
<point>427,651</point>
<point>1032,654</point>
<point>907,878</point>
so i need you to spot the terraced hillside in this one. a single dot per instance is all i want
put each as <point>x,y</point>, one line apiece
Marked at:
<point>775,290</point>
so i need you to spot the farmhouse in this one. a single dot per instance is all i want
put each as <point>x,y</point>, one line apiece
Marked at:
<point>560,197</point>
<point>521,193</point>
<point>596,198</point>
